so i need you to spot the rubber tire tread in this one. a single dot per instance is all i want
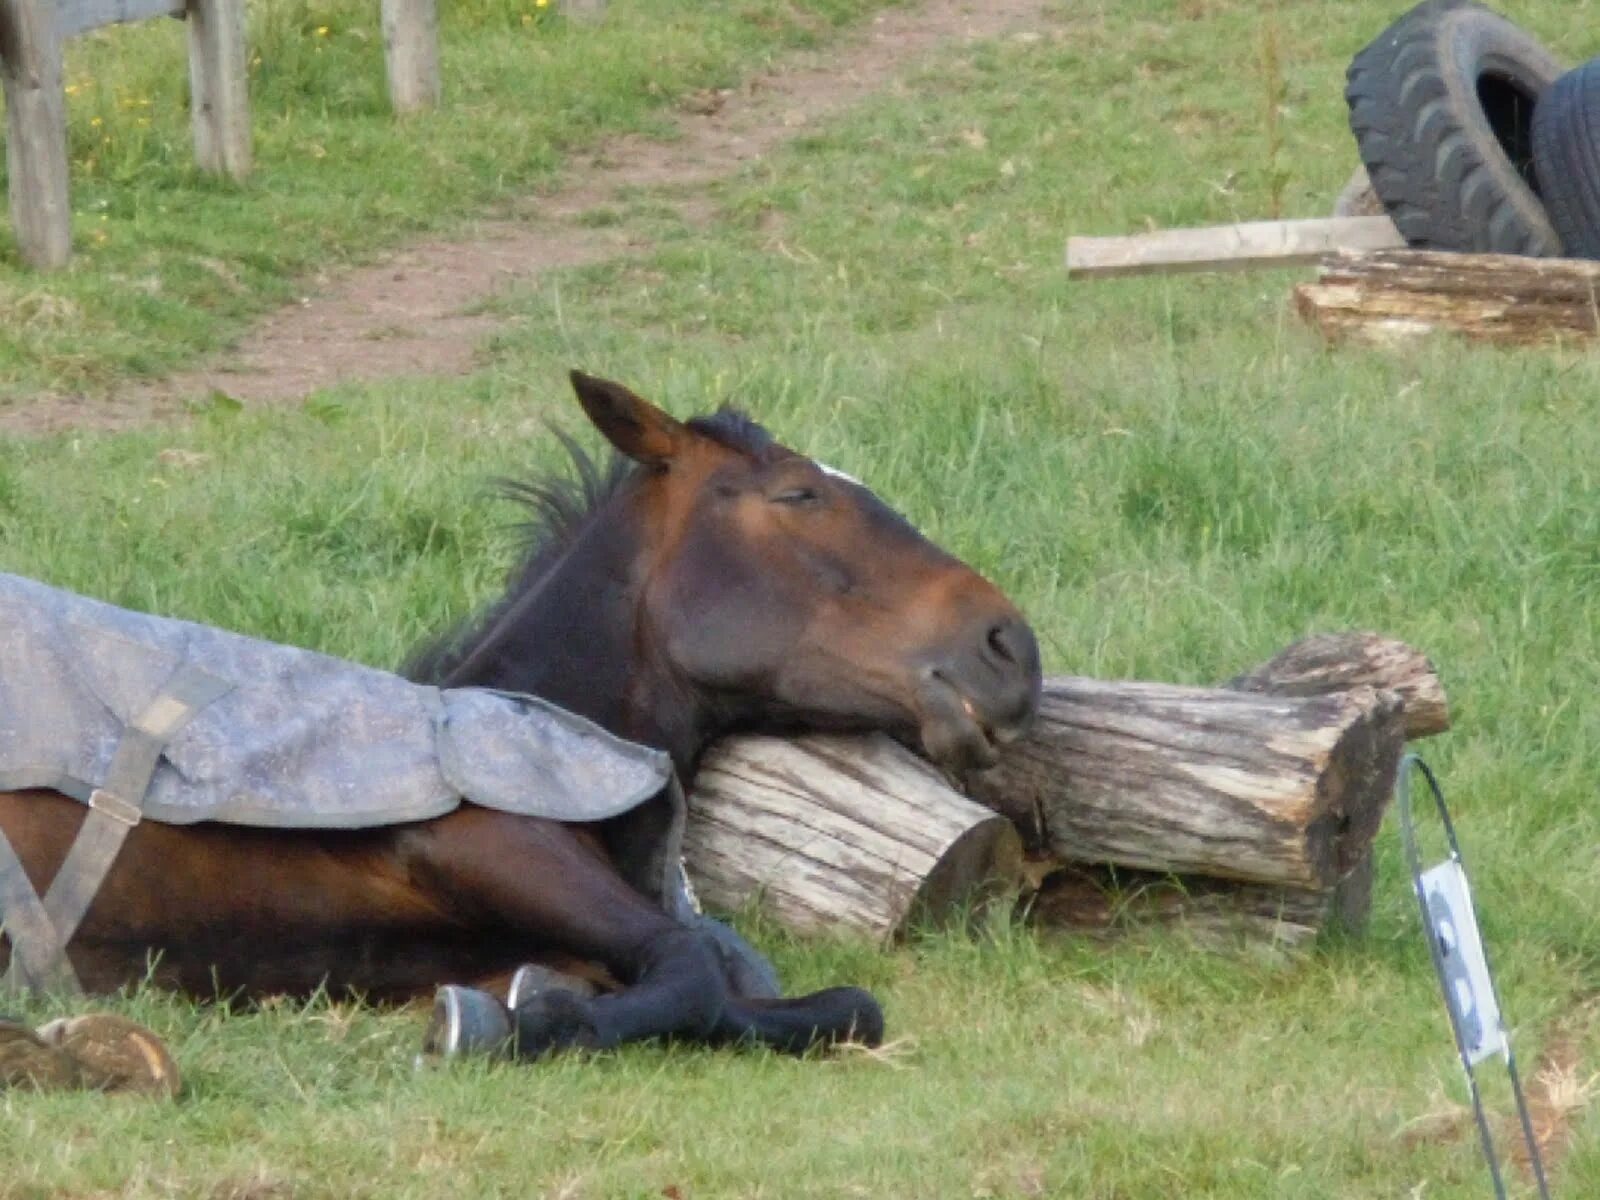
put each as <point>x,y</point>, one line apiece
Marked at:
<point>1566,155</point>
<point>1427,145</point>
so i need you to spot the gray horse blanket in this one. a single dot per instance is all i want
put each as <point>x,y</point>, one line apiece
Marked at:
<point>286,737</point>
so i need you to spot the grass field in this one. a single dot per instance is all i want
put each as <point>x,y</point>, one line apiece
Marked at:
<point>1170,475</point>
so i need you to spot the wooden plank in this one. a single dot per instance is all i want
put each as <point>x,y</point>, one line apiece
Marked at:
<point>219,86</point>
<point>411,50</point>
<point>36,140</point>
<point>1229,247</point>
<point>79,16</point>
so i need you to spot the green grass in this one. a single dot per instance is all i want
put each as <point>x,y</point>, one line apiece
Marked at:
<point>1171,475</point>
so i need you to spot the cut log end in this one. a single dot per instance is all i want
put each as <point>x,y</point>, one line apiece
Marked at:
<point>833,831</point>
<point>981,868</point>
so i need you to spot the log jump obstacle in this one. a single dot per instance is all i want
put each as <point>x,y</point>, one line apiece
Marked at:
<point>1247,809</point>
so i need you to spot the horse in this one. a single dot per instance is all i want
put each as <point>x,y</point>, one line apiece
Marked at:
<point>712,581</point>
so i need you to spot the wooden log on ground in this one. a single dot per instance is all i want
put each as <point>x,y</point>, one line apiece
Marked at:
<point>1282,790</point>
<point>1228,247</point>
<point>1395,296</point>
<point>801,823</point>
<point>834,831</point>
<point>1100,900</point>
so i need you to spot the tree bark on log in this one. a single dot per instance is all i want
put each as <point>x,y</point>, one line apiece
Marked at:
<point>1337,662</point>
<point>1394,296</point>
<point>838,831</point>
<point>1267,789</point>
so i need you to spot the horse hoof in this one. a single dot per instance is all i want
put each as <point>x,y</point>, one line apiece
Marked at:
<point>552,1020</point>
<point>27,1060</point>
<point>466,1021</point>
<point>116,1054</point>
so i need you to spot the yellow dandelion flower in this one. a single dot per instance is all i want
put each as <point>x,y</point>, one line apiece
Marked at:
<point>74,88</point>
<point>322,31</point>
<point>95,122</point>
<point>541,3</point>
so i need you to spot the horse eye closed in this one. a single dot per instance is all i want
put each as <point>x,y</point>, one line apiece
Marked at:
<point>796,496</point>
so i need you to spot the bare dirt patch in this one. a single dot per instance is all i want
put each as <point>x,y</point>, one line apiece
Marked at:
<point>410,314</point>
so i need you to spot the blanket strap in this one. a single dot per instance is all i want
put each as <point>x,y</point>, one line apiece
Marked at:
<point>39,933</point>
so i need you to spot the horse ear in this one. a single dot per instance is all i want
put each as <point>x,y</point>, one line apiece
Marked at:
<point>633,425</point>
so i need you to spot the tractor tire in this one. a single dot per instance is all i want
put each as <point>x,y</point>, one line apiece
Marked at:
<point>1566,154</point>
<point>1442,106</point>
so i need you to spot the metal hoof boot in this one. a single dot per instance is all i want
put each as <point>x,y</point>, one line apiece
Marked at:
<point>533,978</point>
<point>466,1021</point>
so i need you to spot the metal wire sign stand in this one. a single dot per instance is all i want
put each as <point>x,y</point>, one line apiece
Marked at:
<point>1462,966</point>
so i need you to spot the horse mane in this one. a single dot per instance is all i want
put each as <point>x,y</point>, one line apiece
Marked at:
<point>555,507</point>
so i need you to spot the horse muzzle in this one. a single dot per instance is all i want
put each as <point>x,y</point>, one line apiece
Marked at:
<point>981,695</point>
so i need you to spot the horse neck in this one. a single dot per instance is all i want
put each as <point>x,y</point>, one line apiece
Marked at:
<point>572,637</point>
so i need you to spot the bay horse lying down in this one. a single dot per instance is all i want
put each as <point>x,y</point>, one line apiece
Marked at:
<point>714,581</point>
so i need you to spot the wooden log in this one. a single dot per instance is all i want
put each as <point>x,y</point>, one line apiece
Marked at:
<point>801,824</point>
<point>218,83</point>
<point>1337,662</point>
<point>36,132</point>
<point>1282,790</point>
<point>411,52</point>
<point>835,831</point>
<point>1228,247</point>
<point>1389,297</point>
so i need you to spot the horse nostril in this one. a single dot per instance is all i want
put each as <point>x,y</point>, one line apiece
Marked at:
<point>1000,642</point>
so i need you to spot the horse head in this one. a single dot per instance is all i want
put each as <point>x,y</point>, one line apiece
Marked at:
<point>782,594</point>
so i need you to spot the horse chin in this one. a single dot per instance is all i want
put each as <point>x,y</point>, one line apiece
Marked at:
<point>950,732</point>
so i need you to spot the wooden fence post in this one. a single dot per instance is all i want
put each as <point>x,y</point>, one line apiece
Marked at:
<point>218,82</point>
<point>411,53</point>
<point>36,136</point>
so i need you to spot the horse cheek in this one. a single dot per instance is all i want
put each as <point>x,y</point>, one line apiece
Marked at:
<point>734,635</point>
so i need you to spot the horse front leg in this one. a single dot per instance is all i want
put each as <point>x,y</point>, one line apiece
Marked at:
<point>554,890</point>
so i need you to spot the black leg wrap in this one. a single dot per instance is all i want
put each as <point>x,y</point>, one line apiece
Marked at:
<point>551,1020</point>
<point>841,1014</point>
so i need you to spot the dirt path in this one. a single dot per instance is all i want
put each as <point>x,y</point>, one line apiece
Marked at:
<point>409,314</point>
